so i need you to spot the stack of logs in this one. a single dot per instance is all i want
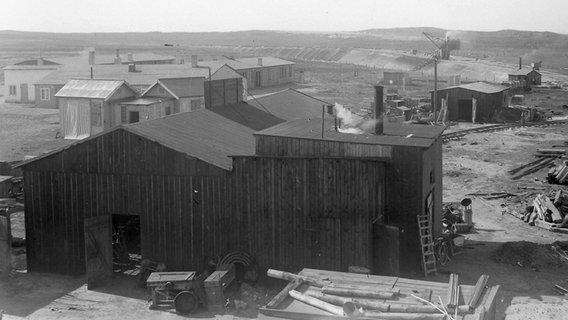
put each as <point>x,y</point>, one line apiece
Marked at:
<point>367,301</point>
<point>558,174</point>
<point>550,153</point>
<point>551,213</point>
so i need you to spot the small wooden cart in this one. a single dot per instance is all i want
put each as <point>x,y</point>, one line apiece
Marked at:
<point>182,290</point>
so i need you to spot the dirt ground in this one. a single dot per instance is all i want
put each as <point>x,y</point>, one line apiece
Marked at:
<point>476,163</point>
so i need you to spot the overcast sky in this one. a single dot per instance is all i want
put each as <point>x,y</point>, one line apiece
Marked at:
<point>297,15</point>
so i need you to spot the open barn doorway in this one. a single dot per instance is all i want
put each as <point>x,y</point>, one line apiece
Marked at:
<point>126,243</point>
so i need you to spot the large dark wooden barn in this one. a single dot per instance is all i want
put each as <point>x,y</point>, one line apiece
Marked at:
<point>201,185</point>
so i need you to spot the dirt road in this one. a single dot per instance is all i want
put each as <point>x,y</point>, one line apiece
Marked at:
<point>27,131</point>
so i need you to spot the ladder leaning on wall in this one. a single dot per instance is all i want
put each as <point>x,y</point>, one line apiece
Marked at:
<point>427,245</point>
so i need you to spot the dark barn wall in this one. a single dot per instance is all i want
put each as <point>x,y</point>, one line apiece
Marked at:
<point>309,212</point>
<point>116,173</point>
<point>290,213</point>
<point>404,191</point>
<point>282,146</point>
<point>407,180</point>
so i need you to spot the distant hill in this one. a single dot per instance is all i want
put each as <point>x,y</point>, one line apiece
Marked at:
<point>503,46</point>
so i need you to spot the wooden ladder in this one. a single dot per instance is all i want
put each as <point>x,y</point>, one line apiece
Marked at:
<point>427,245</point>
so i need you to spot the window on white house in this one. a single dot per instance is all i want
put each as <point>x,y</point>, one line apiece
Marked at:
<point>13,90</point>
<point>44,94</point>
<point>96,113</point>
<point>290,71</point>
<point>282,72</point>
<point>168,110</point>
<point>123,118</point>
<point>269,72</point>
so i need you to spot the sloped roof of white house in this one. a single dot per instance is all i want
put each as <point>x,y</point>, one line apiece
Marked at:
<point>33,64</point>
<point>144,75</point>
<point>246,63</point>
<point>92,89</point>
<point>266,61</point>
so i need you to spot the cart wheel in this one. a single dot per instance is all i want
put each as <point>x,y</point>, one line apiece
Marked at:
<point>443,253</point>
<point>185,302</point>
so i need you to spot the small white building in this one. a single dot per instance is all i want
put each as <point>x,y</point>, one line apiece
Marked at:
<point>87,107</point>
<point>19,80</point>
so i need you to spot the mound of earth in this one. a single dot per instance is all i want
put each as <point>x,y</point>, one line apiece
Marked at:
<point>533,255</point>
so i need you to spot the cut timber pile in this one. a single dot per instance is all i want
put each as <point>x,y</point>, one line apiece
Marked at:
<point>321,294</point>
<point>550,153</point>
<point>558,174</point>
<point>549,213</point>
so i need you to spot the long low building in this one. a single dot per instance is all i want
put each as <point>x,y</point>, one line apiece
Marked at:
<point>139,77</point>
<point>259,71</point>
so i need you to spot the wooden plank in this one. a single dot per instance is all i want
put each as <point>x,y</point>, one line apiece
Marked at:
<point>479,288</point>
<point>490,303</point>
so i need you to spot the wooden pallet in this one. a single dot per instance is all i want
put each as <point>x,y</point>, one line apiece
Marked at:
<point>427,245</point>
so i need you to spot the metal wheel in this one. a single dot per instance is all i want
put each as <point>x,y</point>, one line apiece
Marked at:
<point>443,253</point>
<point>185,302</point>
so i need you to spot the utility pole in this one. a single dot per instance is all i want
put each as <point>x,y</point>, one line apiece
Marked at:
<point>435,102</point>
<point>436,57</point>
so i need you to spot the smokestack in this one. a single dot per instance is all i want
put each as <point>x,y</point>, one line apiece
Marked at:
<point>131,67</point>
<point>379,110</point>
<point>520,63</point>
<point>91,57</point>
<point>194,61</point>
<point>260,61</point>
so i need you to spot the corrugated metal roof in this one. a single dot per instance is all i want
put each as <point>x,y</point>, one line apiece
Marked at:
<point>202,134</point>
<point>145,75</point>
<point>290,104</point>
<point>92,89</point>
<point>394,134</point>
<point>523,72</point>
<point>482,87</point>
<point>247,115</point>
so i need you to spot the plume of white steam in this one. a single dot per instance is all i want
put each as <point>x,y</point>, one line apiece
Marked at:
<point>352,123</point>
<point>347,118</point>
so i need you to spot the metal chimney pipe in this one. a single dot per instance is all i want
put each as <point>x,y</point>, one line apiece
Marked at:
<point>520,63</point>
<point>379,110</point>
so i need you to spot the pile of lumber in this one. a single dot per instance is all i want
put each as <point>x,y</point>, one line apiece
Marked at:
<point>549,213</point>
<point>367,300</point>
<point>558,174</point>
<point>550,153</point>
<point>531,167</point>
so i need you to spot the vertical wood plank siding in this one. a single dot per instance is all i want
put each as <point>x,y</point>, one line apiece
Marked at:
<point>287,212</point>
